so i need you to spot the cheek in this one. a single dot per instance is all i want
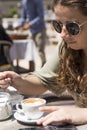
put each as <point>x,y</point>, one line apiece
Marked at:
<point>82,36</point>
<point>82,41</point>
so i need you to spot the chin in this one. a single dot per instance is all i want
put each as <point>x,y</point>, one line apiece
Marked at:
<point>73,47</point>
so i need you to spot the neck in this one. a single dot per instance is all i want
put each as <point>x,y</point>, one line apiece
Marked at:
<point>85,56</point>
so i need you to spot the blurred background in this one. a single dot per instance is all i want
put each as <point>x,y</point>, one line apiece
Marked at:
<point>10,13</point>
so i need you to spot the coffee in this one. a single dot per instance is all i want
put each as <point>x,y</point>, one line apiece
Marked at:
<point>30,107</point>
<point>34,101</point>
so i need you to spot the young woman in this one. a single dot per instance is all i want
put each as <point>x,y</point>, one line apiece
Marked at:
<point>67,68</point>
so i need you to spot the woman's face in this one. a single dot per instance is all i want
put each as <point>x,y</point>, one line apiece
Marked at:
<point>64,15</point>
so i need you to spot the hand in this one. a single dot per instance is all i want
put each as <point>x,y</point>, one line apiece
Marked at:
<point>18,28</point>
<point>63,114</point>
<point>26,26</point>
<point>7,78</point>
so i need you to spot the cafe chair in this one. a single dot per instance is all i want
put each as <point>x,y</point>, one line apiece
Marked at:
<point>5,60</point>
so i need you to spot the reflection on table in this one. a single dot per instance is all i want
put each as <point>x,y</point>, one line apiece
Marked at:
<point>24,49</point>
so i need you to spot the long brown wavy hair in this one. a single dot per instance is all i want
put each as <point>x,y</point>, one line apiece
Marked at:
<point>71,61</point>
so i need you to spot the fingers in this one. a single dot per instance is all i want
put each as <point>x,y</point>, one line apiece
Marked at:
<point>8,81</point>
<point>46,120</point>
<point>7,75</point>
<point>2,75</point>
<point>4,84</point>
<point>50,119</point>
<point>58,115</point>
<point>48,108</point>
<point>5,81</point>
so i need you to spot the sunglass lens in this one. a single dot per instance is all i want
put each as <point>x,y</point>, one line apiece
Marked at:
<point>57,26</point>
<point>72,28</point>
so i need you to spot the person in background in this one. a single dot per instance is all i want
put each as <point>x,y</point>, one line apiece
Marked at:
<point>5,62</point>
<point>65,70</point>
<point>32,17</point>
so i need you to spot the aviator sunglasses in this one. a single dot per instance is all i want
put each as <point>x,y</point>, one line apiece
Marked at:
<point>72,27</point>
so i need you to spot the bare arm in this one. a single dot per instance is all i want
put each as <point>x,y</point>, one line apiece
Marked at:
<point>29,85</point>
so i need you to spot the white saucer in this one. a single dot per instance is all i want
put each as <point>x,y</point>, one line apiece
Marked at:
<point>23,119</point>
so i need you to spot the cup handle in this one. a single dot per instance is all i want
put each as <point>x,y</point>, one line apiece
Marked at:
<point>19,108</point>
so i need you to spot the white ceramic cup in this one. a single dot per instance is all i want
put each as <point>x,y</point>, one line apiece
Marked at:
<point>29,107</point>
<point>5,106</point>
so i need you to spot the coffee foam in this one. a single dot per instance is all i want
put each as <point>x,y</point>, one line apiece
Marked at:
<point>33,101</point>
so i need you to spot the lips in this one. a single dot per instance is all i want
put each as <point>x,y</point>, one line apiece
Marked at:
<point>70,41</point>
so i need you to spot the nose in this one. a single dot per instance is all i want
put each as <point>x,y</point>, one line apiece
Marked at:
<point>64,32</point>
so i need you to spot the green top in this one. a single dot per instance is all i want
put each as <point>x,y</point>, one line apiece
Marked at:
<point>48,75</point>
